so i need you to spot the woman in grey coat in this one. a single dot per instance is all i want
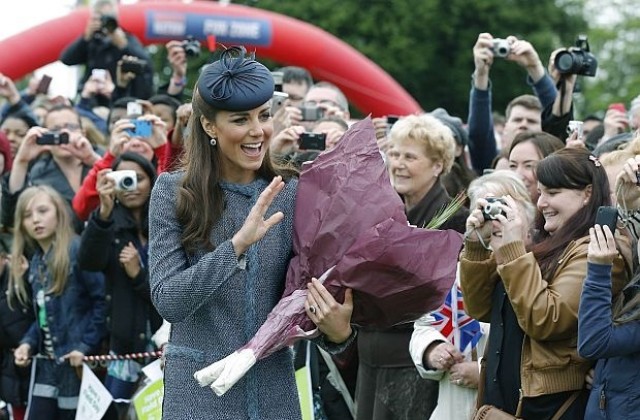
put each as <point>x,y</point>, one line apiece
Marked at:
<point>220,242</point>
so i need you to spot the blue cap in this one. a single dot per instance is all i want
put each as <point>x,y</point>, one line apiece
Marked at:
<point>235,82</point>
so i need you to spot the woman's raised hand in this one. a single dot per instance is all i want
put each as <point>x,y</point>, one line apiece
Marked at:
<point>255,226</point>
<point>602,245</point>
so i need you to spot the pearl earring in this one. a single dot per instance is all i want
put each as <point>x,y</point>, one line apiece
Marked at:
<point>213,142</point>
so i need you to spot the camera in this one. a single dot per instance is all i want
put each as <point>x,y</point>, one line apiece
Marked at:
<point>142,128</point>
<point>277,101</point>
<point>577,60</point>
<point>191,47</point>
<point>493,209</point>
<point>126,180</point>
<point>312,141</point>
<point>501,47</point>
<point>575,126</point>
<point>134,66</point>
<point>108,23</point>
<point>53,138</point>
<point>311,112</point>
<point>278,80</point>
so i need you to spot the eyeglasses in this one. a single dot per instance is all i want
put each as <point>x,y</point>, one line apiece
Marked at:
<point>68,126</point>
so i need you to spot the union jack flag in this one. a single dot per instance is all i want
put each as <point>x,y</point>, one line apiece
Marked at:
<point>459,328</point>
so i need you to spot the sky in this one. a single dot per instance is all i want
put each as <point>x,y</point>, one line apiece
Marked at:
<point>24,14</point>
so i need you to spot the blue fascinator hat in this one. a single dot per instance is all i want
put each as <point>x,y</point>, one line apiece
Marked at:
<point>236,82</point>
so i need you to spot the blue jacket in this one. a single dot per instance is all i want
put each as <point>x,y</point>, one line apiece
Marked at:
<point>482,141</point>
<point>76,318</point>
<point>616,389</point>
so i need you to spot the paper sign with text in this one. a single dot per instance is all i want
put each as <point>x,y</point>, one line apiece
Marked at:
<point>94,399</point>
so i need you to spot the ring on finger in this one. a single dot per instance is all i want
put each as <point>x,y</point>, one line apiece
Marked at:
<point>312,309</point>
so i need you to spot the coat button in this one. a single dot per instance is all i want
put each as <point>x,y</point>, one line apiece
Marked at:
<point>142,336</point>
<point>107,298</point>
<point>54,339</point>
<point>47,298</point>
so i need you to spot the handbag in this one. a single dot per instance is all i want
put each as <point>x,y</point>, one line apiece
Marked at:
<point>490,412</point>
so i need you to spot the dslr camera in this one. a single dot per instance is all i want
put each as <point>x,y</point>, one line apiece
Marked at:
<point>500,48</point>
<point>191,47</point>
<point>126,180</point>
<point>577,60</point>
<point>53,138</point>
<point>493,209</point>
<point>108,23</point>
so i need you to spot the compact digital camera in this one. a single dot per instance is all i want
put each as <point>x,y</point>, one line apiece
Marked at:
<point>311,112</point>
<point>493,209</point>
<point>126,180</point>
<point>577,60</point>
<point>501,47</point>
<point>191,47</point>
<point>53,138</point>
<point>143,128</point>
<point>312,141</point>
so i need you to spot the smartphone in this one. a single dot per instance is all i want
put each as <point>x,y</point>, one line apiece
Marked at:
<point>135,67</point>
<point>53,138</point>
<point>277,101</point>
<point>142,128</point>
<point>312,141</point>
<point>619,106</point>
<point>311,112</point>
<point>99,74</point>
<point>43,85</point>
<point>134,109</point>
<point>608,216</point>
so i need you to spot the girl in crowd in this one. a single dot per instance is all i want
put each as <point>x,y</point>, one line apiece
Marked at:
<point>115,243</point>
<point>527,284</point>
<point>445,345</point>
<point>68,303</point>
<point>608,327</point>
<point>220,240</point>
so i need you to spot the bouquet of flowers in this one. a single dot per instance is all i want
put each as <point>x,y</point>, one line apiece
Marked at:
<point>350,229</point>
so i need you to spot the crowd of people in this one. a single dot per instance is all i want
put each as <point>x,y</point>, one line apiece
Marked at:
<point>136,219</point>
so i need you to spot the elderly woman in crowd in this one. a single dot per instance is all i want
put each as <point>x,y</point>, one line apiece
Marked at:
<point>422,150</point>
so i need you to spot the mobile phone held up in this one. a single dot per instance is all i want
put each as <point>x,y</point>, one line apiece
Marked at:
<point>43,85</point>
<point>312,141</point>
<point>607,216</point>
<point>53,138</point>
<point>142,128</point>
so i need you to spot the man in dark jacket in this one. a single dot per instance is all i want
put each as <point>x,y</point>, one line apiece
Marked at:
<point>103,45</point>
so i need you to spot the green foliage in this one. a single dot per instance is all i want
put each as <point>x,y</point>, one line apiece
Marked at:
<point>614,41</point>
<point>426,45</point>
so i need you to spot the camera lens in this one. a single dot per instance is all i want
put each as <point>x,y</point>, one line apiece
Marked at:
<point>127,183</point>
<point>565,62</point>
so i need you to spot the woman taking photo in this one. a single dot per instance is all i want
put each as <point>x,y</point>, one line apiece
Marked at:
<point>446,344</point>
<point>608,325</point>
<point>528,284</point>
<point>115,243</point>
<point>219,246</point>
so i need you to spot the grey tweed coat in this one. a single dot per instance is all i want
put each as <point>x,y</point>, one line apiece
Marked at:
<point>216,303</point>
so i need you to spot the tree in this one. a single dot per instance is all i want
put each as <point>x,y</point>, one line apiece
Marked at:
<point>614,41</point>
<point>426,44</point>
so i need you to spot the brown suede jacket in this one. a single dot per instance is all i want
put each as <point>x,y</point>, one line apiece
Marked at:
<point>547,309</point>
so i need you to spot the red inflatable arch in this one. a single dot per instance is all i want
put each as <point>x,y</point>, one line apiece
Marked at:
<point>283,39</point>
